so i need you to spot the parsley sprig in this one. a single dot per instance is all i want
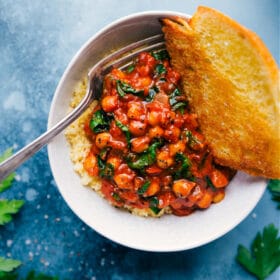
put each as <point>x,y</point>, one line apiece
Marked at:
<point>8,265</point>
<point>30,276</point>
<point>7,182</point>
<point>9,208</point>
<point>264,255</point>
<point>274,188</point>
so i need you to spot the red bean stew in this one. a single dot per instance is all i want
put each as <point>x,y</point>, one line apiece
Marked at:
<point>146,145</point>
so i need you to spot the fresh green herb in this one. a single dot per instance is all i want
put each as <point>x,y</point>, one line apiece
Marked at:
<point>154,205</point>
<point>7,208</point>
<point>7,182</point>
<point>183,171</point>
<point>125,130</point>
<point>146,158</point>
<point>180,106</point>
<point>8,265</point>
<point>173,96</point>
<point>160,69</point>
<point>210,184</point>
<point>41,276</point>
<point>104,152</point>
<point>176,104</point>
<point>130,68</point>
<point>8,276</point>
<point>100,122</point>
<point>264,256</point>
<point>144,188</point>
<point>106,170</point>
<point>192,140</point>
<point>31,276</point>
<point>116,196</point>
<point>124,88</point>
<point>274,188</point>
<point>161,55</point>
<point>152,92</point>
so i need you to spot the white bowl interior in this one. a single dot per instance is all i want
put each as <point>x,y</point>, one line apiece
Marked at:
<point>169,233</point>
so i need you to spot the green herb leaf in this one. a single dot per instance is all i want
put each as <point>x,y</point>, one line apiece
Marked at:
<point>106,170</point>
<point>31,276</point>
<point>8,265</point>
<point>180,105</point>
<point>210,184</point>
<point>104,153</point>
<point>116,196</point>
<point>161,55</point>
<point>41,276</point>
<point>152,92</point>
<point>130,68</point>
<point>126,131</point>
<point>7,208</point>
<point>264,256</point>
<point>146,158</point>
<point>160,69</point>
<point>154,205</point>
<point>274,188</point>
<point>7,182</point>
<point>193,142</point>
<point>183,171</point>
<point>124,88</point>
<point>173,95</point>
<point>177,101</point>
<point>8,276</point>
<point>100,122</point>
<point>143,188</point>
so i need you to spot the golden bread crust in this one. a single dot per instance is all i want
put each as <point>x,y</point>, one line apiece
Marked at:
<point>236,100</point>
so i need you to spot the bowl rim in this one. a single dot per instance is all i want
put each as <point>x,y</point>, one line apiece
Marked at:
<point>62,80</point>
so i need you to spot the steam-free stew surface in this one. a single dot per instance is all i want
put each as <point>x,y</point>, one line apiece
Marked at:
<point>146,145</point>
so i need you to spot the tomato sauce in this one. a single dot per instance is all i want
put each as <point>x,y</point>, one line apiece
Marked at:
<point>146,145</point>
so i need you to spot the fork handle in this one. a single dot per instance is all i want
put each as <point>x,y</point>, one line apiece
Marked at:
<point>10,164</point>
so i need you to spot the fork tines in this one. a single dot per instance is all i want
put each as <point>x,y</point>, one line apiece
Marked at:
<point>124,56</point>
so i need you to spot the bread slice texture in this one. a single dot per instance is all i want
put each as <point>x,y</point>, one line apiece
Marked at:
<point>232,83</point>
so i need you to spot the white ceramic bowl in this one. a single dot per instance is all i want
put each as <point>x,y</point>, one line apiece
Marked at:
<point>169,233</point>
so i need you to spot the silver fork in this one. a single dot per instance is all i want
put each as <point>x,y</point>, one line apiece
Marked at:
<point>119,59</point>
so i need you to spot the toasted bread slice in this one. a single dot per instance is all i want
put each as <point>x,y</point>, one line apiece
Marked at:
<point>232,84</point>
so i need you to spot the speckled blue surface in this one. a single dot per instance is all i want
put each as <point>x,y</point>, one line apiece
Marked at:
<point>37,40</point>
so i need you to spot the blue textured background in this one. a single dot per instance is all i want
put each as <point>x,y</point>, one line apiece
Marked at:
<point>37,40</point>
